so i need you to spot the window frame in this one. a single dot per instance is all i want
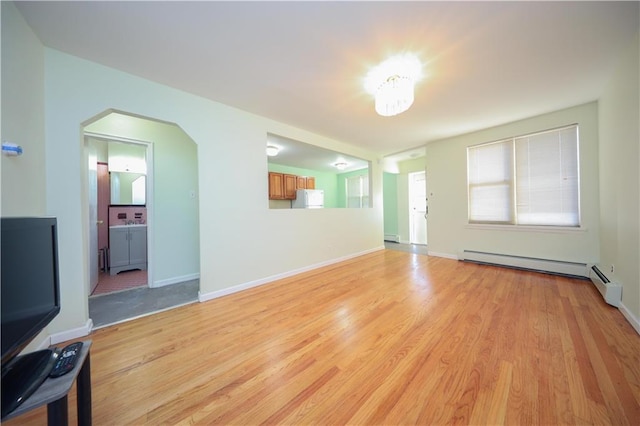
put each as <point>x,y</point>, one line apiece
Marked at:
<point>512,221</point>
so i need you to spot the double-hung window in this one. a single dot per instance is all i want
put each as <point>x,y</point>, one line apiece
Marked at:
<point>357,191</point>
<point>526,180</point>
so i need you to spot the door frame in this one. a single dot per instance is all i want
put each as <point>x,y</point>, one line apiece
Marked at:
<point>412,219</point>
<point>149,202</point>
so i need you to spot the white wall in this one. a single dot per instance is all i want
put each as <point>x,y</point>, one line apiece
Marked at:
<point>241,240</point>
<point>23,177</point>
<point>448,230</point>
<point>619,114</point>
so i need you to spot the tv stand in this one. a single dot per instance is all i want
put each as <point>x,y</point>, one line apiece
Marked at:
<point>53,392</point>
<point>23,376</point>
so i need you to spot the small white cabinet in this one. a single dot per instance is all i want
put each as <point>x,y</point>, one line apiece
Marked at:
<point>127,248</point>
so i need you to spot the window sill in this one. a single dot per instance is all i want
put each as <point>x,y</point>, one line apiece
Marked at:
<point>527,228</point>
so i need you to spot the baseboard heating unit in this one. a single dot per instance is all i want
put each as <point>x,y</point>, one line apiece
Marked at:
<point>611,292</point>
<point>392,238</point>
<point>529,263</point>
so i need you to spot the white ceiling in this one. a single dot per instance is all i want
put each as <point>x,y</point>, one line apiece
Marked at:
<point>299,154</point>
<point>303,63</point>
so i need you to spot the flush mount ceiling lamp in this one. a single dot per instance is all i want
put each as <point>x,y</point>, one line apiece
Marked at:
<point>392,83</point>
<point>272,150</point>
<point>340,165</point>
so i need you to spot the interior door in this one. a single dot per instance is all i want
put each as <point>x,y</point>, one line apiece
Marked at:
<point>93,214</point>
<point>418,207</point>
<point>104,196</point>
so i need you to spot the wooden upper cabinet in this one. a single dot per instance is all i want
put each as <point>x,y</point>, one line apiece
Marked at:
<point>311,182</point>
<point>276,186</point>
<point>282,186</point>
<point>290,182</point>
<point>301,182</point>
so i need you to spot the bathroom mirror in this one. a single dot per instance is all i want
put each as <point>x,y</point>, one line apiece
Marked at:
<point>344,179</point>
<point>128,188</point>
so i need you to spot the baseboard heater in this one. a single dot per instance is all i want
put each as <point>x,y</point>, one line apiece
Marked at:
<point>611,292</point>
<point>392,238</point>
<point>529,263</point>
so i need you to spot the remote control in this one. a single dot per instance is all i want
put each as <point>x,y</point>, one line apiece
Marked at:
<point>66,360</point>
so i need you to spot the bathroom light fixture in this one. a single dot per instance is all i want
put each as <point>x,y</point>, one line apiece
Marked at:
<point>340,165</point>
<point>392,83</point>
<point>272,150</point>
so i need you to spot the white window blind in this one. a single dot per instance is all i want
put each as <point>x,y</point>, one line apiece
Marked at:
<point>491,182</point>
<point>527,180</point>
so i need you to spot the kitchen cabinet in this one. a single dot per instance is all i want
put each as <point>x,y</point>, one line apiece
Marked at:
<point>311,182</point>
<point>301,182</point>
<point>289,186</point>
<point>282,186</point>
<point>305,182</point>
<point>127,248</point>
<point>276,186</point>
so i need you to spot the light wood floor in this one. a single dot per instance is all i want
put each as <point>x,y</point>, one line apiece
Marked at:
<point>388,338</point>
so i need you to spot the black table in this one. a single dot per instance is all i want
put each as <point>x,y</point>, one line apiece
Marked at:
<point>54,392</point>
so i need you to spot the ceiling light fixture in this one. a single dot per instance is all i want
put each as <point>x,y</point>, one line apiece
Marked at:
<point>272,150</point>
<point>340,166</point>
<point>392,83</point>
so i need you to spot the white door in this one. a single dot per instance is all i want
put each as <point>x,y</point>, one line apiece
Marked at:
<point>418,208</point>
<point>93,214</point>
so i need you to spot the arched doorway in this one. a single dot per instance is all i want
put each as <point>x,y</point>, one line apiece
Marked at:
<point>168,216</point>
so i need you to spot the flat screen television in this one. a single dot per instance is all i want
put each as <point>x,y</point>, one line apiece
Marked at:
<point>30,299</point>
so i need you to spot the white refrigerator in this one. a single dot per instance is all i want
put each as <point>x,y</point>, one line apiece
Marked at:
<point>308,199</point>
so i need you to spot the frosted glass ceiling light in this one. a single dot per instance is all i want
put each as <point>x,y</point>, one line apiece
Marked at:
<point>272,151</point>
<point>392,83</point>
<point>340,166</point>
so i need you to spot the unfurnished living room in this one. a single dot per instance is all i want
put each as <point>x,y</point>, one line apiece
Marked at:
<point>394,213</point>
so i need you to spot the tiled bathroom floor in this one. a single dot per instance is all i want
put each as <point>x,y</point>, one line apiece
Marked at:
<point>123,281</point>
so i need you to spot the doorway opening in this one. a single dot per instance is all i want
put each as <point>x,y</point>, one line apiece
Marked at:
<point>119,207</point>
<point>418,208</point>
<point>151,258</point>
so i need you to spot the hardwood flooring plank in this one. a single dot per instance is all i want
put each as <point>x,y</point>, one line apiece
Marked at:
<point>389,338</point>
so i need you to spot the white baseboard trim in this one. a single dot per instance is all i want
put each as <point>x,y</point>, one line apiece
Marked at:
<point>203,297</point>
<point>175,280</point>
<point>635,322</point>
<point>404,241</point>
<point>74,333</point>
<point>44,344</point>
<point>445,255</point>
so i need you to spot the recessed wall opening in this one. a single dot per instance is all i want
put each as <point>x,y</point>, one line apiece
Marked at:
<point>302,175</point>
<point>142,209</point>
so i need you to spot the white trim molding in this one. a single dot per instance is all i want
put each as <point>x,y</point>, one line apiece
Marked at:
<point>73,333</point>
<point>175,280</point>
<point>635,322</point>
<point>203,297</point>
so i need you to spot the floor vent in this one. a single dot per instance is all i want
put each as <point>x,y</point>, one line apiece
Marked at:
<point>611,292</point>
<point>534,264</point>
<point>392,238</point>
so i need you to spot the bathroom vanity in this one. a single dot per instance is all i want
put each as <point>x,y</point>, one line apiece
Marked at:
<point>127,248</point>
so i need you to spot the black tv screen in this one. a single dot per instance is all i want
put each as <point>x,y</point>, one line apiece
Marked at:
<point>30,281</point>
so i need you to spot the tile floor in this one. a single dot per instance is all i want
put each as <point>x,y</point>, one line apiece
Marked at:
<point>123,281</point>
<point>112,308</point>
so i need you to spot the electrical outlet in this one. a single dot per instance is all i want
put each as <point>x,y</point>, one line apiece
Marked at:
<point>612,269</point>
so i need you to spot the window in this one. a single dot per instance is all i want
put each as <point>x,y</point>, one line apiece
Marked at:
<point>357,191</point>
<point>526,180</point>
